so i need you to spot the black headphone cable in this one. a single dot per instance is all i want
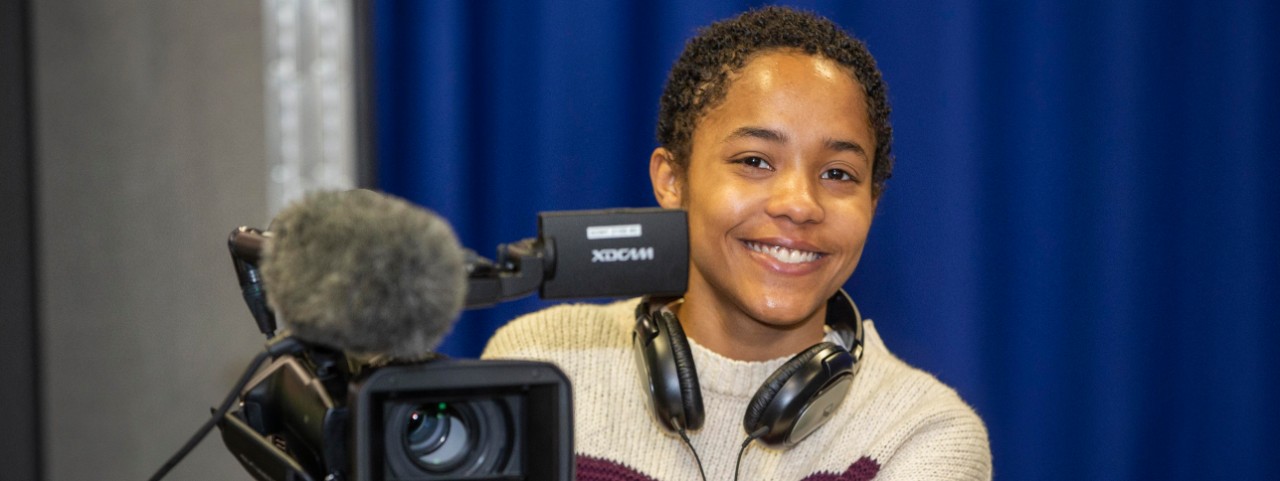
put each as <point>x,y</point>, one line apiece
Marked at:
<point>752,437</point>
<point>685,437</point>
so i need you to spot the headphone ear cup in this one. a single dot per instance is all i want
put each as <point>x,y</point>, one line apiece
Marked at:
<point>767,391</point>
<point>781,415</point>
<point>686,371</point>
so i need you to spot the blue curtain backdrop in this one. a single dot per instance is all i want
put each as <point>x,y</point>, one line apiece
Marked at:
<point>1080,236</point>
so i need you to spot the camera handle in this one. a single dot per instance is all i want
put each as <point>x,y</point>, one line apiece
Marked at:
<point>274,349</point>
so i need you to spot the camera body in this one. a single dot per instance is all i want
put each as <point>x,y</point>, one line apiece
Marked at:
<point>318,416</point>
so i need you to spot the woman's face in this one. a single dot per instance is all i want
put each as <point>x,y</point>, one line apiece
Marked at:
<point>778,190</point>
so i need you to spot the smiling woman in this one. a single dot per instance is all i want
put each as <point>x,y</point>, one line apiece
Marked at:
<point>775,138</point>
<point>779,206</point>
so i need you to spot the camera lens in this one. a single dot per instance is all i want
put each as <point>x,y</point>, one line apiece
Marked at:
<point>450,438</point>
<point>437,436</point>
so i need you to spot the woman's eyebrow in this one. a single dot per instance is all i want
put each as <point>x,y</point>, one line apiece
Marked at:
<point>776,136</point>
<point>758,133</point>
<point>846,146</point>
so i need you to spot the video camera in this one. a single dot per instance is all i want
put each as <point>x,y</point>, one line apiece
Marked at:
<point>315,413</point>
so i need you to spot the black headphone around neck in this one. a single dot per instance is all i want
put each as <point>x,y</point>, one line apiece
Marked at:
<point>794,401</point>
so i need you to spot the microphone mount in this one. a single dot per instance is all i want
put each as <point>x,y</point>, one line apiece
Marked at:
<point>519,271</point>
<point>245,244</point>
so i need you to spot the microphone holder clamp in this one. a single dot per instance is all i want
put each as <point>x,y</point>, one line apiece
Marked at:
<point>520,270</point>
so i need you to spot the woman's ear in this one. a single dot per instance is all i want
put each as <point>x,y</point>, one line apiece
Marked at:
<point>665,176</point>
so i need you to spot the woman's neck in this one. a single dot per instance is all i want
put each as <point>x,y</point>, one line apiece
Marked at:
<point>730,332</point>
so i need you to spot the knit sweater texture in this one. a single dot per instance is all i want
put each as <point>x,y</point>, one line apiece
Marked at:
<point>897,423</point>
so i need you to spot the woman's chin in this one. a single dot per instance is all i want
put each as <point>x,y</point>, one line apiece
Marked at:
<point>786,312</point>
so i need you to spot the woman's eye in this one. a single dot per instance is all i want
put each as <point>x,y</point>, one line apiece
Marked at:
<point>837,174</point>
<point>754,161</point>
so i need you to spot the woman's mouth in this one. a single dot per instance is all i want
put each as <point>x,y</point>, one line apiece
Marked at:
<point>783,254</point>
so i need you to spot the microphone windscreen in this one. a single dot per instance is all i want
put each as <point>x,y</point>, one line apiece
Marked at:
<point>364,272</point>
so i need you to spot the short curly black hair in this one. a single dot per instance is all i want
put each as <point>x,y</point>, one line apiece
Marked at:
<point>699,80</point>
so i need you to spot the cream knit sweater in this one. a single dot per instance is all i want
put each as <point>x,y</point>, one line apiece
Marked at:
<point>897,423</point>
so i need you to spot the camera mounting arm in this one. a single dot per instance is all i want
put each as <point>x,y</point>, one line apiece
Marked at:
<point>520,270</point>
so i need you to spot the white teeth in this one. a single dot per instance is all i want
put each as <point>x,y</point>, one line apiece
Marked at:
<point>783,254</point>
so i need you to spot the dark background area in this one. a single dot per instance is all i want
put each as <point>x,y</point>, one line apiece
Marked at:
<point>18,354</point>
<point>131,143</point>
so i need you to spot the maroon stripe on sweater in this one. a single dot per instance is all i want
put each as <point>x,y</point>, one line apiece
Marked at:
<point>596,469</point>
<point>864,469</point>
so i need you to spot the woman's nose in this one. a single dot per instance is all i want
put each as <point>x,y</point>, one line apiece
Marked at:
<point>795,197</point>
